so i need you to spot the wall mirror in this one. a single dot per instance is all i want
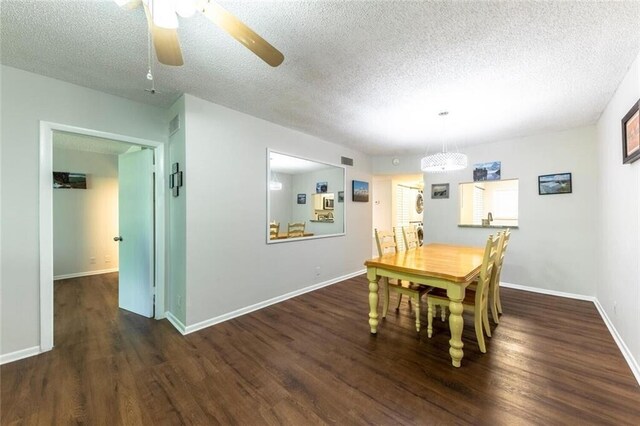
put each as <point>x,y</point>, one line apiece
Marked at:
<point>489,203</point>
<point>303,198</point>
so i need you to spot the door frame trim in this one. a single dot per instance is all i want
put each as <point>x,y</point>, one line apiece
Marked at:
<point>46,220</point>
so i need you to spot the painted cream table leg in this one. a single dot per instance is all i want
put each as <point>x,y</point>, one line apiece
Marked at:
<point>373,300</point>
<point>456,324</point>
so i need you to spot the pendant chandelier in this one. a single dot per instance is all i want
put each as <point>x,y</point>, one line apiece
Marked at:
<point>274,183</point>
<point>444,161</point>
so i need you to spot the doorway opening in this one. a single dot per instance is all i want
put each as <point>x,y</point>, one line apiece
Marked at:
<point>100,170</point>
<point>398,201</point>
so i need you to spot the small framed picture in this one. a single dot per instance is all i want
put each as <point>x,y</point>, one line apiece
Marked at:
<point>631,135</point>
<point>555,184</point>
<point>321,187</point>
<point>439,190</point>
<point>360,191</point>
<point>302,198</point>
<point>341,196</point>
<point>487,171</point>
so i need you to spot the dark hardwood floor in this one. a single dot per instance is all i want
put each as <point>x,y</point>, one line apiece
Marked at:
<point>312,360</point>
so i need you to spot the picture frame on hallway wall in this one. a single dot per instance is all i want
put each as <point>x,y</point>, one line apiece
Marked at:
<point>559,183</point>
<point>631,135</point>
<point>439,191</point>
<point>360,191</point>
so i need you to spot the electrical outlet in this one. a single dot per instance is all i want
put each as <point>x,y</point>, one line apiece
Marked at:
<point>317,271</point>
<point>615,307</point>
<point>180,301</point>
<point>92,260</point>
<point>107,259</point>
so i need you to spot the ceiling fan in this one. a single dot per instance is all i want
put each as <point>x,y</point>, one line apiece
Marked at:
<point>162,18</point>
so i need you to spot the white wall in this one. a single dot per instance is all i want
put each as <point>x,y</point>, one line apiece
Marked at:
<point>85,220</point>
<point>618,284</point>
<point>555,245</point>
<point>176,288</point>
<point>229,264</point>
<point>26,99</point>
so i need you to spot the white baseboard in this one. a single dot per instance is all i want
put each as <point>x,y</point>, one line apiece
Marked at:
<point>84,274</point>
<point>549,292</point>
<point>175,322</point>
<point>626,353</point>
<point>242,311</point>
<point>18,355</point>
<point>633,364</point>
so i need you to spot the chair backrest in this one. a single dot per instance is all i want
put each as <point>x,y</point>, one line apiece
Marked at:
<point>494,244</point>
<point>295,229</point>
<point>274,229</point>
<point>410,236</point>
<point>386,241</point>
<point>495,277</point>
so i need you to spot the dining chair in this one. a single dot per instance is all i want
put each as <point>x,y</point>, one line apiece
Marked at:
<point>496,305</point>
<point>475,301</point>
<point>386,242</point>
<point>494,286</point>
<point>410,237</point>
<point>295,229</point>
<point>274,229</point>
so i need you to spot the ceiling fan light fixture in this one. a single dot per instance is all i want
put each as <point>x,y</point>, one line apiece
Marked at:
<point>127,4</point>
<point>163,13</point>
<point>186,8</point>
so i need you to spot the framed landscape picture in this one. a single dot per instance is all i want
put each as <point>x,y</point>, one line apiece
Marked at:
<point>487,171</point>
<point>631,135</point>
<point>302,198</point>
<point>439,190</point>
<point>360,191</point>
<point>555,184</point>
<point>63,180</point>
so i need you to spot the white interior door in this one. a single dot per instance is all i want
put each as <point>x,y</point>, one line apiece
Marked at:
<point>136,239</point>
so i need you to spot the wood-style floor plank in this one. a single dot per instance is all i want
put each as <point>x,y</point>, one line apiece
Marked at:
<point>312,361</point>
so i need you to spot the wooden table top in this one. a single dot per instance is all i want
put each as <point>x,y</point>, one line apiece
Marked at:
<point>451,262</point>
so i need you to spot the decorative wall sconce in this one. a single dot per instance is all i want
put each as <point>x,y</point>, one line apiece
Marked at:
<point>175,179</point>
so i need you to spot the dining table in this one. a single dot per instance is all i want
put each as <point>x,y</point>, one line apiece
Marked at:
<point>447,266</point>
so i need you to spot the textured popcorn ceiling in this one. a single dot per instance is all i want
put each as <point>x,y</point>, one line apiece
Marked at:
<point>370,75</point>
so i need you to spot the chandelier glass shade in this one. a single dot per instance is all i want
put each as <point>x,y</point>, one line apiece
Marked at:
<point>274,183</point>
<point>443,162</point>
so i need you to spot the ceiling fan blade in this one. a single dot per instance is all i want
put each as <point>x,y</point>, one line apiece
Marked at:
<point>245,35</point>
<point>166,42</point>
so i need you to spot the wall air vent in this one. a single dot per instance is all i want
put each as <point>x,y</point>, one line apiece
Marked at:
<point>346,161</point>
<point>174,125</point>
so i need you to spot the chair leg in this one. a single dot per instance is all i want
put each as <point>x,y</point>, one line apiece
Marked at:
<point>430,315</point>
<point>485,320</point>
<point>497,301</point>
<point>417,309</point>
<point>477,322</point>
<point>385,303</point>
<point>494,309</point>
<point>399,301</point>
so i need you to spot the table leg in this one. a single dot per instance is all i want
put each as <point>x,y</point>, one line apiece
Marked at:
<point>373,300</point>
<point>456,324</point>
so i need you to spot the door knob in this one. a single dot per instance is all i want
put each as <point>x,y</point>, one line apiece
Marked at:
<point>117,238</point>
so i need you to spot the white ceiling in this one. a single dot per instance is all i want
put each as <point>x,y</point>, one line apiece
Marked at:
<point>371,75</point>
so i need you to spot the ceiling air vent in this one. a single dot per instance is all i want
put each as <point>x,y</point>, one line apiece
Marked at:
<point>174,125</point>
<point>346,161</point>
